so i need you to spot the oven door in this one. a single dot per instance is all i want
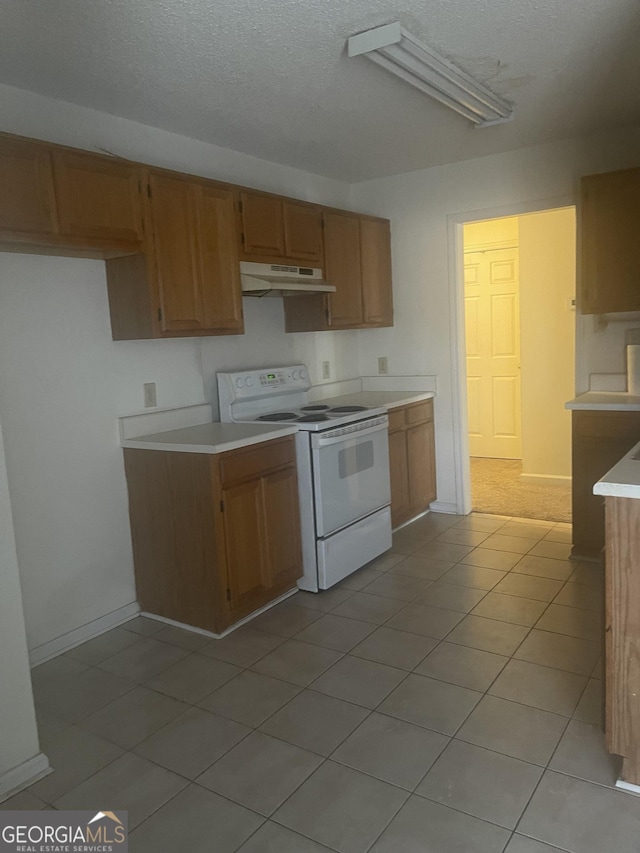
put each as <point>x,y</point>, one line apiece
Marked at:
<point>350,473</point>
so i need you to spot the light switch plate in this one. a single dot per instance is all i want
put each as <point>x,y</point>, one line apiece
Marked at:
<point>326,370</point>
<point>383,365</point>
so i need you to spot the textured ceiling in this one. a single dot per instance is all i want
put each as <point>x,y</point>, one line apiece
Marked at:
<point>272,79</point>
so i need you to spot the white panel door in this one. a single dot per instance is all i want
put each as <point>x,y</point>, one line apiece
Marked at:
<point>492,320</point>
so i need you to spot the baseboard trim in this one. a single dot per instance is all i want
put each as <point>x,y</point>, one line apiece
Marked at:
<point>444,506</point>
<point>628,786</point>
<point>59,645</point>
<point>25,774</point>
<point>228,630</point>
<point>545,480</point>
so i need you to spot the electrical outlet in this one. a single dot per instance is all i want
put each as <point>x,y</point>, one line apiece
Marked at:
<point>383,365</point>
<point>326,370</point>
<point>150,398</point>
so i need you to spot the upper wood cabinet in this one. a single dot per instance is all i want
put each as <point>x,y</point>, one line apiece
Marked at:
<point>98,198</point>
<point>302,232</point>
<point>262,226</point>
<point>357,253</point>
<point>343,269</point>
<point>27,201</point>
<point>375,248</point>
<point>190,284</point>
<point>609,228</point>
<point>173,242</point>
<point>276,229</point>
<point>174,221</point>
<point>70,201</point>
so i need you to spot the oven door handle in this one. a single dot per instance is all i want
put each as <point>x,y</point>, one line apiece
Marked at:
<point>325,441</point>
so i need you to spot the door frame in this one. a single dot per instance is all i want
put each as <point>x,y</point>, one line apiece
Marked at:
<point>455,251</point>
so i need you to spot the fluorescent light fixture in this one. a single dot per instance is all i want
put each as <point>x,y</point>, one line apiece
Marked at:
<point>408,58</point>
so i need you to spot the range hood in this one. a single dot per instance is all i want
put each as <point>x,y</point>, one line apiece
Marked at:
<point>281,280</point>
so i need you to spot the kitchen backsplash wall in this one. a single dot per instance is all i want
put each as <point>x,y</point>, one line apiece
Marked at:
<point>266,344</point>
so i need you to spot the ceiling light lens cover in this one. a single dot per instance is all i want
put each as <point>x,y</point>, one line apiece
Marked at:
<point>404,55</point>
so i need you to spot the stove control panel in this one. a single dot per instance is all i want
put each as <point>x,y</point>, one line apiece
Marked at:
<point>255,384</point>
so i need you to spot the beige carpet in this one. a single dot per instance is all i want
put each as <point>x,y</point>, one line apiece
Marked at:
<point>496,489</point>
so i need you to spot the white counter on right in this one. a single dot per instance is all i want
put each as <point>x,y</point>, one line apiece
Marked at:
<point>605,401</point>
<point>623,480</point>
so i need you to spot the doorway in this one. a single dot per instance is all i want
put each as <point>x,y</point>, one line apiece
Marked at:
<point>519,342</point>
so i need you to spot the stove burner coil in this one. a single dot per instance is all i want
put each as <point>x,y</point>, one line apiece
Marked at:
<point>278,416</point>
<point>347,409</point>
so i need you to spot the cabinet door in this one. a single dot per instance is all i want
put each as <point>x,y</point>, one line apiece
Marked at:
<point>219,265</point>
<point>599,440</point>
<point>302,232</point>
<point>27,204</point>
<point>421,464</point>
<point>377,297</point>
<point>399,473</point>
<point>173,213</point>
<point>610,224</point>
<point>343,268</point>
<point>262,226</point>
<point>98,198</point>
<point>247,562</point>
<point>282,527</point>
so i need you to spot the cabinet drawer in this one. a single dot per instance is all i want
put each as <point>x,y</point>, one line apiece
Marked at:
<point>617,425</point>
<point>397,419</point>
<point>254,460</point>
<point>420,412</point>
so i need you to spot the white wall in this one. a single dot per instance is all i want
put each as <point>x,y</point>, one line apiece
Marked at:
<point>419,205</point>
<point>64,382</point>
<point>547,286</point>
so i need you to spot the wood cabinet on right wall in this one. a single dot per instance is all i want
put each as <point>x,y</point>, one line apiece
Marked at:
<point>610,224</point>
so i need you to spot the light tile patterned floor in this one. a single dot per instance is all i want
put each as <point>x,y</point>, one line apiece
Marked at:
<point>446,697</point>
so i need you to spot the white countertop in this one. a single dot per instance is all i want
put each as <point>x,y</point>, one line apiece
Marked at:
<point>373,399</point>
<point>623,480</point>
<point>216,437</point>
<point>209,437</point>
<point>605,401</point>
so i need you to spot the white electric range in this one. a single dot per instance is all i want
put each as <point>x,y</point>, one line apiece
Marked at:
<point>343,467</point>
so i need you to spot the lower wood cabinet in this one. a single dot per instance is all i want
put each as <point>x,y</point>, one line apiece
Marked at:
<point>622,634</point>
<point>215,537</point>
<point>411,460</point>
<point>599,440</point>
